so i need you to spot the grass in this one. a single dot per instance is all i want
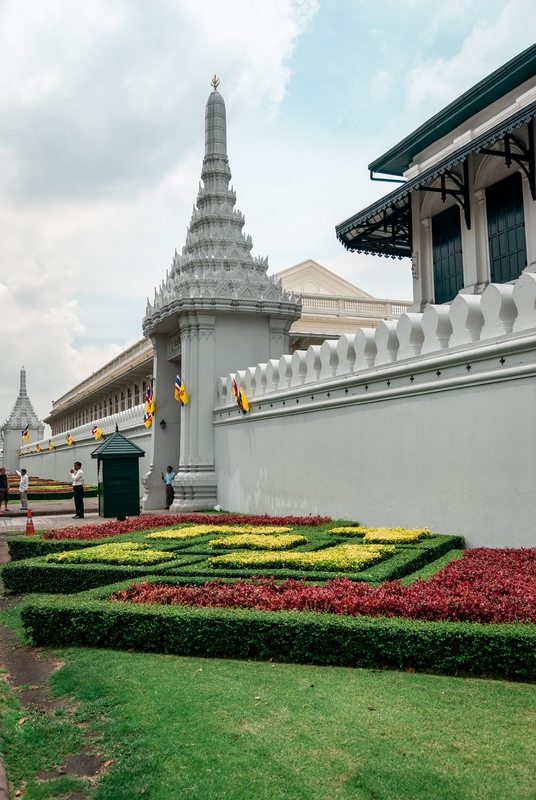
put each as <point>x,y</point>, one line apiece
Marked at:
<point>208,729</point>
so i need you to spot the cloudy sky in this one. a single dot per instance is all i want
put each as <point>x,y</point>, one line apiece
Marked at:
<point>102,139</point>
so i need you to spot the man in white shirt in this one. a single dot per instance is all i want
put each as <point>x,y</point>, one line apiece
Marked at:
<point>23,488</point>
<point>77,479</point>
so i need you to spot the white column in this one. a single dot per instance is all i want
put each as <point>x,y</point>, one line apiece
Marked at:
<point>195,484</point>
<point>164,441</point>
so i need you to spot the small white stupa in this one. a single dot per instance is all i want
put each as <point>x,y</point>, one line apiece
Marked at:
<point>22,418</point>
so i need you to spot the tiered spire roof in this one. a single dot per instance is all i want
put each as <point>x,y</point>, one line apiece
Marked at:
<point>216,268</point>
<point>23,413</point>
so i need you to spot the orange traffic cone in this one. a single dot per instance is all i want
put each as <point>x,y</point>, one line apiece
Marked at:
<point>30,530</point>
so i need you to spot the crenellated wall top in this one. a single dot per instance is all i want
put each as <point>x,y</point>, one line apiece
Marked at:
<point>502,318</point>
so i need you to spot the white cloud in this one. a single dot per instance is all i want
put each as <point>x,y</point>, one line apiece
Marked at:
<point>101,142</point>
<point>488,45</point>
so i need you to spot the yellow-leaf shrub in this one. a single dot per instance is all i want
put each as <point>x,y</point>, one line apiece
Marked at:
<point>202,530</point>
<point>342,558</point>
<point>124,553</point>
<point>251,541</point>
<point>383,535</point>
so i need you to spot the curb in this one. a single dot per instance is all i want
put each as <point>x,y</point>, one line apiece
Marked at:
<point>4,787</point>
<point>46,512</point>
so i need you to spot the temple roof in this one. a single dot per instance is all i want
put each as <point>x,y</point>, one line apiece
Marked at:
<point>23,413</point>
<point>216,269</point>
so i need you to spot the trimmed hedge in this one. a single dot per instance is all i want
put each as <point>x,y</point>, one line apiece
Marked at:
<point>36,575</point>
<point>303,637</point>
<point>64,495</point>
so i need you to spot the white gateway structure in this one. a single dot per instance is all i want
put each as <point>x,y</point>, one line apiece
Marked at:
<point>424,420</point>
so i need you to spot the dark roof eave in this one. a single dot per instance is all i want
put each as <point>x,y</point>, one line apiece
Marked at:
<point>398,198</point>
<point>515,72</point>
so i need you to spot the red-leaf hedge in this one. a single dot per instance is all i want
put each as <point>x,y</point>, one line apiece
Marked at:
<point>484,586</point>
<point>116,528</point>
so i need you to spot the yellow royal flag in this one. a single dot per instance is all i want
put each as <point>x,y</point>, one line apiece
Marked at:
<point>38,448</point>
<point>69,439</point>
<point>240,398</point>
<point>180,391</point>
<point>245,404</point>
<point>51,444</point>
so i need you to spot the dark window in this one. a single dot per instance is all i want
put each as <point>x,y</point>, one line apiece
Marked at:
<point>129,398</point>
<point>122,401</point>
<point>506,229</point>
<point>117,404</point>
<point>136,394</point>
<point>105,408</point>
<point>447,254</point>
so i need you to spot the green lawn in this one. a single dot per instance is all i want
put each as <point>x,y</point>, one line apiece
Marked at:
<point>208,729</point>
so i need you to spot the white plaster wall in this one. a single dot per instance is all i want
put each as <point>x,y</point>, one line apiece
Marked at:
<point>56,463</point>
<point>460,462</point>
<point>427,421</point>
<point>240,339</point>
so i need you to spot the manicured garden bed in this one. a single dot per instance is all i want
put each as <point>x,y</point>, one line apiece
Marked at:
<point>91,619</point>
<point>278,547</point>
<point>45,489</point>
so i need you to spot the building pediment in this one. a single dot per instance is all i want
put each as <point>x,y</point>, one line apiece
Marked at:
<point>310,277</point>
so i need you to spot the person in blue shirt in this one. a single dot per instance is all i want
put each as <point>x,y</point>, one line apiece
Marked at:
<point>168,480</point>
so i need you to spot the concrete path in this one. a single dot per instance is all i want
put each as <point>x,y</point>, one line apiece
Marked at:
<point>58,514</point>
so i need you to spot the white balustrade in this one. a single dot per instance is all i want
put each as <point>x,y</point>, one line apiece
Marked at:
<point>313,362</point>
<point>285,372</point>
<point>437,328</point>
<point>501,310</point>
<point>386,342</point>
<point>329,358</point>
<point>346,354</point>
<point>299,367</point>
<point>466,318</point>
<point>410,336</point>
<point>366,349</point>
<point>498,309</point>
<point>525,300</point>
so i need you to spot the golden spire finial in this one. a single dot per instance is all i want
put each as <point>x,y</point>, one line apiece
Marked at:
<point>215,82</point>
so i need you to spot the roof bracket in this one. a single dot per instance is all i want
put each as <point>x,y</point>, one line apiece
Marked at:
<point>460,193</point>
<point>525,160</point>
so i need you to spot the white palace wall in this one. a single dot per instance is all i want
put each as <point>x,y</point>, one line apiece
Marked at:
<point>426,422</point>
<point>57,463</point>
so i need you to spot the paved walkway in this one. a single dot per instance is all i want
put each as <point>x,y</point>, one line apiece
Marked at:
<point>56,514</point>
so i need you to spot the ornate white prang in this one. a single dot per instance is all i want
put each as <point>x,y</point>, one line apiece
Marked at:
<point>216,267</point>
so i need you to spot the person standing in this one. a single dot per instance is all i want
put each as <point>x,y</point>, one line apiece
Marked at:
<point>77,479</point>
<point>4,489</point>
<point>170,491</point>
<point>23,488</point>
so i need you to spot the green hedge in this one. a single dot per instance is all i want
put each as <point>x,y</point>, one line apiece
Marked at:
<point>35,575</point>
<point>66,495</point>
<point>25,547</point>
<point>302,637</point>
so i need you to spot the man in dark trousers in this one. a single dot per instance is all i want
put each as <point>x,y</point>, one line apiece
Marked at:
<point>4,489</point>
<point>77,478</point>
<point>170,491</point>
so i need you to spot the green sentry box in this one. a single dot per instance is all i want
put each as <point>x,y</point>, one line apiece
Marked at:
<point>119,480</point>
